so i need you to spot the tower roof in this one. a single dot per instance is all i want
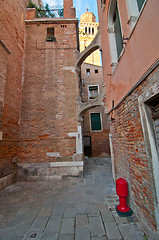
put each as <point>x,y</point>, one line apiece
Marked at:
<point>88,17</point>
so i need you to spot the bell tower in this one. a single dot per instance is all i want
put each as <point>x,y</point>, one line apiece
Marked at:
<point>69,10</point>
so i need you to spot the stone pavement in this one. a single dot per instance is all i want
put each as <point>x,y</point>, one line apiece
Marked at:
<point>74,208</point>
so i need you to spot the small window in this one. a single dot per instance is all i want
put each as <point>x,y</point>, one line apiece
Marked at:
<point>88,71</point>
<point>89,30</point>
<point>96,70</point>
<point>96,122</point>
<point>93,92</point>
<point>50,35</point>
<point>93,31</point>
<point>85,30</point>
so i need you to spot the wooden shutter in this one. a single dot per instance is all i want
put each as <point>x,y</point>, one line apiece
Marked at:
<point>95,121</point>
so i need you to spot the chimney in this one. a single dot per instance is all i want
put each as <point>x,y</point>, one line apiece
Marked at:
<point>69,10</point>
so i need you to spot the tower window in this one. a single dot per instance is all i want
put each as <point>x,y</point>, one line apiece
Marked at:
<point>96,70</point>
<point>88,71</point>
<point>92,30</point>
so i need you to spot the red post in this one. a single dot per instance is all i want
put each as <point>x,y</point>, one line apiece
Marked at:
<point>122,192</point>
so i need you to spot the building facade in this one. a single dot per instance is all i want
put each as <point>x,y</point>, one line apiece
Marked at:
<point>40,136</point>
<point>95,121</point>
<point>129,36</point>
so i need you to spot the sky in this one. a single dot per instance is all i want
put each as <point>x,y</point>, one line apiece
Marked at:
<point>80,5</point>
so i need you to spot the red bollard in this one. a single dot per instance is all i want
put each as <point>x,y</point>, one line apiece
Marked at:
<point>122,191</point>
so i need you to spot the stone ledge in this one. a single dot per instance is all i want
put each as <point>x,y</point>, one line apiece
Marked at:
<point>8,180</point>
<point>66,164</point>
<point>48,171</point>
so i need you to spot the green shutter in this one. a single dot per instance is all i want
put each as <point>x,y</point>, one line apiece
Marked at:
<point>140,4</point>
<point>95,121</point>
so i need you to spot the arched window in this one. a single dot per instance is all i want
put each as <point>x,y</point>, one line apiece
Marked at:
<point>92,30</point>
<point>115,32</point>
<point>85,30</point>
<point>89,30</point>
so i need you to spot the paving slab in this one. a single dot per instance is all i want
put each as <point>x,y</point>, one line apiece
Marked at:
<point>45,211</point>
<point>100,238</point>
<point>96,226</point>
<point>82,233</point>
<point>67,226</point>
<point>107,216</point>
<point>53,225</point>
<point>81,220</point>
<point>39,223</point>
<point>49,236</point>
<point>65,237</point>
<point>112,231</point>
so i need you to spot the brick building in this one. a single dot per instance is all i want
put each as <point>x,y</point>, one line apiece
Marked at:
<point>12,35</point>
<point>129,37</point>
<point>95,121</point>
<point>40,135</point>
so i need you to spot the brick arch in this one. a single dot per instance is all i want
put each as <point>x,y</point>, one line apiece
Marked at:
<point>94,45</point>
<point>84,107</point>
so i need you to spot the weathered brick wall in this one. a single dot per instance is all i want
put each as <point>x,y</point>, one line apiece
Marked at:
<point>91,79</point>
<point>131,159</point>
<point>12,31</point>
<point>99,139</point>
<point>50,90</point>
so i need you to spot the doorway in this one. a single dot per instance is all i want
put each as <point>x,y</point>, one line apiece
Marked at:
<point>87,146</point>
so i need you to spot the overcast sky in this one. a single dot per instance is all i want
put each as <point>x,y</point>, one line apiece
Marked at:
<point>81,5</point>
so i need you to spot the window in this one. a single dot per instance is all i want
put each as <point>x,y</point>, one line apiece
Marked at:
<point>93,92</point>
<point>89,30</point>
<point>134,9</point>
<point>88,71</point>
<point>50,35</point>
<point>96,70</point>
<point>96,122</point>
<point>85,30</point>
<point>140,4</point>
<point>103,2</point>
<point>93,31</point>
<point>117,31</point>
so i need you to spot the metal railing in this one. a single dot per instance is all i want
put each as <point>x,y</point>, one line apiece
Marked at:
<point>52,12</point>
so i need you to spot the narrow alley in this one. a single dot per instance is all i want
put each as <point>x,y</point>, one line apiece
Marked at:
<point>75,208</point>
